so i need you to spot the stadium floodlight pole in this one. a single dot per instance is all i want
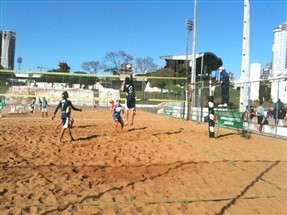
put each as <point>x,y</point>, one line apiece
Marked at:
<point>244,88</point>
<point>19,61</point>
<point>189,27</point>
<point>193,72</point>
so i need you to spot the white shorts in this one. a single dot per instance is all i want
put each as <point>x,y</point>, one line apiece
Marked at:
<point>66,123</point>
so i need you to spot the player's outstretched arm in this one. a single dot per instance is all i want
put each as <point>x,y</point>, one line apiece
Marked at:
<point>76,109</point>
<point>56,110</point>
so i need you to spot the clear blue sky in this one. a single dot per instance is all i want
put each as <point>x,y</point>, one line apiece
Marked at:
<point>75,31</point>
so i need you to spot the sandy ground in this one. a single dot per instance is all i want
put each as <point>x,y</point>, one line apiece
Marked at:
<point>160,165</point>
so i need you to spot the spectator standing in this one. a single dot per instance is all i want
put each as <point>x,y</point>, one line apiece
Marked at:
<point>270,114</point>
<point>260,116</point>
<point>278,111</point>
<point>224,84</point>
<point>248,114</point>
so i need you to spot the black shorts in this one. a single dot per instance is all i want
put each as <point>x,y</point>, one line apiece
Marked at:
<point>131,102</point>
<point>259,119</point>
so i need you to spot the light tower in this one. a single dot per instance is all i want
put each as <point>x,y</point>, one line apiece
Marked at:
<point>189,27</point>
<point>19,61</point>
<point>193,72</point>
<point>244,88</point>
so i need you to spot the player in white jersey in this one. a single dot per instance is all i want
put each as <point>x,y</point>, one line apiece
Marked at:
<point>118,109</point>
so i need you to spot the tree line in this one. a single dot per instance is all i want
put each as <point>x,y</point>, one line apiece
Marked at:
<point>111,63</point>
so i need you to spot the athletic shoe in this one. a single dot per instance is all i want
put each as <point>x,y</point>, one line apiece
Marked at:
<point>223,105</point>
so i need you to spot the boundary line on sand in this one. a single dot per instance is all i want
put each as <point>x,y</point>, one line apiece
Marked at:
<point>234,163</point>
<point>110,203</point>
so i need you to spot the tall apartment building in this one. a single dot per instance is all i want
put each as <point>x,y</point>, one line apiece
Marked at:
<point>266,72</point>
<point>279,49</point>
<point>7,49</point>
<point>279,63</point>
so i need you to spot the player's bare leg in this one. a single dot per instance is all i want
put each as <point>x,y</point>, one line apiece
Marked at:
<point>70,134</point>
<point>127,118</point>
<point>133,116</point>
<point>71,122</point>
<point>62,134</point>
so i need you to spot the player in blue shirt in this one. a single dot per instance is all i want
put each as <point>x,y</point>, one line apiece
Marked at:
<point>66,107</point>
<point>118,109</point>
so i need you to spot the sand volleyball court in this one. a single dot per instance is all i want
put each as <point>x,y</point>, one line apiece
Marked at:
<point>160,165</point>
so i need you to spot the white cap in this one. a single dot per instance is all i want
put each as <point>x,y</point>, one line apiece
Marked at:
<point>221,68</point>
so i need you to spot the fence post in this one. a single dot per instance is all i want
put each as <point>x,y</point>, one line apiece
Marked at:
<point>210,111</point>
<point>211,122</point>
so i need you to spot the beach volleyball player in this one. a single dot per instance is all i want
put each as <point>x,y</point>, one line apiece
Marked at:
<point>117,110</point>
<point>66,107</point>
<point>129,89</point>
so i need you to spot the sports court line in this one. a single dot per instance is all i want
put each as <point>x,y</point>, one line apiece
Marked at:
<point>234,163</point>
<point>76,118</point>
<point>49,119</point>
<point>168,201</point>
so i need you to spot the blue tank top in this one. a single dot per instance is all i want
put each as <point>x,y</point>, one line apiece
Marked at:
<point>117,111</point>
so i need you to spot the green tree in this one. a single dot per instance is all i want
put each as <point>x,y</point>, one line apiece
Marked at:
<point>265,90</point>
<point>91,66</point>
<point>162,83</point>
<point>144,65</point>
<point>181,72</point>
<point>113,60</point>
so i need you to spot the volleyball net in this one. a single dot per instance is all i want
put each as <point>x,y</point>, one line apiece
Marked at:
<point>87,90</point>
<point>162,95</point>
<point>90,90</point>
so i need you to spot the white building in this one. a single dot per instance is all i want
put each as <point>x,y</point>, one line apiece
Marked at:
<point>7,49</point>
<point>279,49</point>
<point>255,69</point>
<point>279,63</point>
